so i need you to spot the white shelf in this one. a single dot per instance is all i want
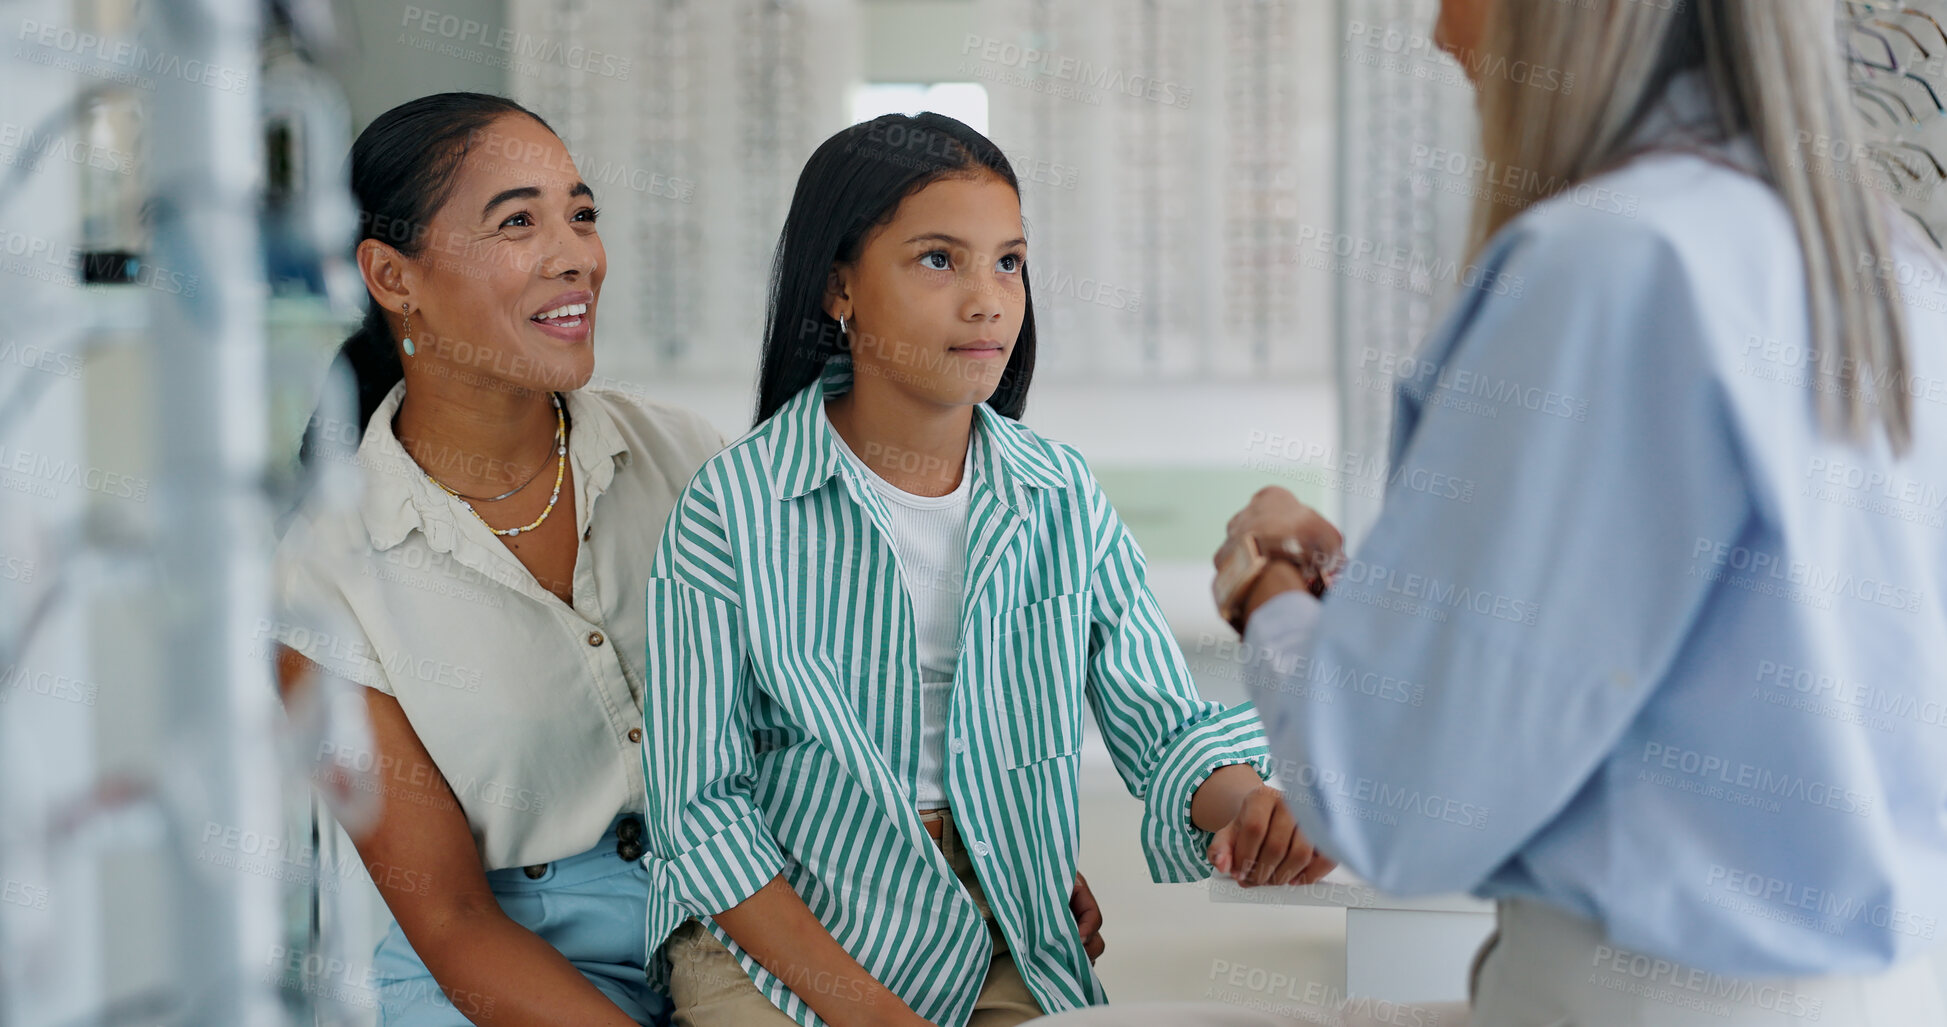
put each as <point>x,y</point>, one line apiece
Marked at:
<point>1343,889</point>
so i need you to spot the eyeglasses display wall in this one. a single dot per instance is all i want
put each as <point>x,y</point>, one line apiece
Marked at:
<point>694,122</point>
<point>1171,152</point>
<point>1403,107</point>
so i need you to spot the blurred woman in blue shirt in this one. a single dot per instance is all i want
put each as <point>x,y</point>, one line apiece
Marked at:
<point>1680,659</point>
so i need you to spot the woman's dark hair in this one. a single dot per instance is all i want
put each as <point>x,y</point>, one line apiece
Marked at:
<point>851,186</point>
<point>402,172</point>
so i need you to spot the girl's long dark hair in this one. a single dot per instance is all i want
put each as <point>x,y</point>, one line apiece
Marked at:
<point>852,185</point>
<point>403,168</point>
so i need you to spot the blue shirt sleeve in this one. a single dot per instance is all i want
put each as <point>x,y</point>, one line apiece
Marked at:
<point>1556,455</point>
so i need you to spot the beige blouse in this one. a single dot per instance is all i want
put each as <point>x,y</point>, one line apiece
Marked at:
<point>531,708</point>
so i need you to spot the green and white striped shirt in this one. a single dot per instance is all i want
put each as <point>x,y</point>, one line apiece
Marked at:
<point>783,717</point>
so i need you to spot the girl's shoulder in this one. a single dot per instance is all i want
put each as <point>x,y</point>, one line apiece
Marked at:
<point>1040,455</point>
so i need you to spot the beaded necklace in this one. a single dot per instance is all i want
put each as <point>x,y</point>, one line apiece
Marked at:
<point>560,472</point>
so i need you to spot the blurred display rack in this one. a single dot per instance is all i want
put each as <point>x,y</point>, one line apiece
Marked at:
<point>1897,55</point>
<point>1395,101</point>
<point>301,335</point>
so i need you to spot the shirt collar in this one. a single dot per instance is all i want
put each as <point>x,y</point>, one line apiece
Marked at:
<point>804,450</point>
<point>398,497</point>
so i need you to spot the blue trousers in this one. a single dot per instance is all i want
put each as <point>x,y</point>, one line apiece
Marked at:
<point>590,907</point>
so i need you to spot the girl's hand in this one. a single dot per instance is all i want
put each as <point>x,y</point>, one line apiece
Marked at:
<point>1263,845</point>
<point>1088,918</point>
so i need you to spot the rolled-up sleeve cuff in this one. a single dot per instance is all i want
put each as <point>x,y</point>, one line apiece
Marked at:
<point>1175,846</point>
<point>338,656</point>
<point>719,872</point>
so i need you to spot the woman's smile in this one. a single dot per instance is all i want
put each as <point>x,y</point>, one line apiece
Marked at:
<point>569,317</point>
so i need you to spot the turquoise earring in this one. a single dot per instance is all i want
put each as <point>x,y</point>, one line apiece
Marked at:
<point>407,311</point>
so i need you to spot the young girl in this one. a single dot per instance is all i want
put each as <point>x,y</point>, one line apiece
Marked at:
<point>875,621</point>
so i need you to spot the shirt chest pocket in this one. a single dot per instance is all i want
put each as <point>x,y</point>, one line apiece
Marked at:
<point>1040,670</point>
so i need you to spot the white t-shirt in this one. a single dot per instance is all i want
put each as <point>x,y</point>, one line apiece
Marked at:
<point>929,539</point>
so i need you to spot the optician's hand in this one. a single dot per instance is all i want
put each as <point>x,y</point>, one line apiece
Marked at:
<point>1263,845</point>
<point>1273,515</point>
<point>1088,918</point>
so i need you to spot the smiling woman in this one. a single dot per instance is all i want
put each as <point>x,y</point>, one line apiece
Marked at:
<point>495,620</point>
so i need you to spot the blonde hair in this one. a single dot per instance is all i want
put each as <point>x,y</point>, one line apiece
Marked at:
<point>1776,72</point>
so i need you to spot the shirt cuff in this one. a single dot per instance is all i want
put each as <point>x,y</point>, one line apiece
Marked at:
<point>721,871</point>
<point>342,657</point>
<point>1175,846</point>
<point>1285,622</point>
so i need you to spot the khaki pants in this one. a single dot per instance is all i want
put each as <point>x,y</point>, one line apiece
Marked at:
<point>710,989</point>
<point>1547,968</point>
<point>1552,968</point>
